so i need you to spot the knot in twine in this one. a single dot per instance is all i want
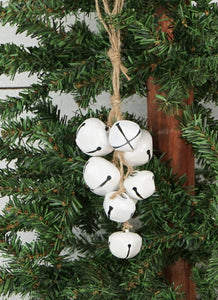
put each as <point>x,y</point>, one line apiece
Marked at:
<point>114,55</point>
<point>115,112</point>
<point>115,100</point>
<point>115,58</point>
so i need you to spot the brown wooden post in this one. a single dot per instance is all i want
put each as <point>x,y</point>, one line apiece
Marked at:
<point>167,139</point>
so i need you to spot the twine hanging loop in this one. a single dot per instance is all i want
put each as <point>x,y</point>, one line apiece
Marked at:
<point>115,58</point>
<point>114,55</point>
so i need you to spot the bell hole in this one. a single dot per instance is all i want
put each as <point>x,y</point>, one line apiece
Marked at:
<point>109,212</point>
<point>93,151</point>
<point>129,247</point>
<point>106,180</point>
<point>136,192</point>
<point>149,154</point>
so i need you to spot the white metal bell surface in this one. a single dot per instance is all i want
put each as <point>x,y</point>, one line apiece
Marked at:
<point>140,185</point>
<point>92,138</point>
<point>124,135</point>
<point>124,244</point>
<point>119,209</point>
<point>143,151</point>
<point>101,175</point>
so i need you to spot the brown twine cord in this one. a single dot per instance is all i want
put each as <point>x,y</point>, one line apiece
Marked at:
<point>114,55</point>
<point>119,161</point>
<point>126,226</point>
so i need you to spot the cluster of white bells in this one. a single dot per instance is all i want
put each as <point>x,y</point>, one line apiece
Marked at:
<point>95,139</point>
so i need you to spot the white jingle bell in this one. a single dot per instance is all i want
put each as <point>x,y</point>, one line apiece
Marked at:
<point>124,244</point>
<point>140,185</point>
<point>124,135</point>
<point>92,138</point>
<point>143,151</point>
<point>119,209</point>
<point>101,175</point>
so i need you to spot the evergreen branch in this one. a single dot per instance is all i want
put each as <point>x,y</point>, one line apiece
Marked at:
<point>212,269</point>
<point>38,10</point>
<point>204,139</point>
<point>205,288</point>
<point>11,107</point>
<point>23,63</point>
<point>46,188</point>
<point>181,65</point>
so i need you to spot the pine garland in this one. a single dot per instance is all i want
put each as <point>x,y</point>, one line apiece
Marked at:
<point>42,167</point>
<point>203,137</point>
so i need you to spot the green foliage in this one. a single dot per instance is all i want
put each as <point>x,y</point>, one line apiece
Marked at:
<point>42,166</point>
<point>189,60</point>
<point>200,130</point>
<point>47,195</point>
<point>207,285</point>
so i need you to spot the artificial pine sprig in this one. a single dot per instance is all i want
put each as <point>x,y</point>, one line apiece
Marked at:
<point>42,171</point>
<point>203,138</point>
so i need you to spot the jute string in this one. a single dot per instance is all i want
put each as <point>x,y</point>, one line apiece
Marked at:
<point>119,161</point>
<point>126,226</point>
<point>114,55</point>
<point>115,58</point>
